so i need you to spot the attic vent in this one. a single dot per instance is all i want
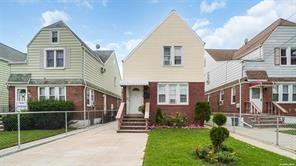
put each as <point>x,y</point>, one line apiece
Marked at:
<point>103,70</point>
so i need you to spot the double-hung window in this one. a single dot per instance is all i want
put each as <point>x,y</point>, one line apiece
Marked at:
<point>172,55</point>
<point>53,93</point>
<point>293,56</point>
<point>221,96</point>
<point>54,37</point>
<point>275,93</point>
<point>233,95</point>
<point>285,94</point>
<point>294,93</point>
<point>54,58</point>
<point>172,93</point>
<point>90,97</point>
<point>283,56</point>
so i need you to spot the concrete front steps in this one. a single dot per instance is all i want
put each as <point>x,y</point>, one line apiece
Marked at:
<point>133,124</point>
<point>265,121</point>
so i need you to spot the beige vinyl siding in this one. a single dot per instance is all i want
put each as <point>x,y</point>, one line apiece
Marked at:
<point>146,62</point>
<point>43,41</point>
<point>112,71</point>
<point>93,70</point>
<point>4,74</point>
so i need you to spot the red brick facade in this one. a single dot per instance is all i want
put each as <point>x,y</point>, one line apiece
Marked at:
<point>73,93</point>
<point>196,93</point>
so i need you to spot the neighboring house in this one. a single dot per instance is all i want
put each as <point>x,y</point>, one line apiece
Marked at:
<point>8,56</point>
<point>61,66</point>
<point>259,77</point>
<point>165,70</point>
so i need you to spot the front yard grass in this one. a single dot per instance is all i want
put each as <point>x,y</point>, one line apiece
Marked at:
<point>291,132</point>
<point>9,138</point>
<point>177,147</point>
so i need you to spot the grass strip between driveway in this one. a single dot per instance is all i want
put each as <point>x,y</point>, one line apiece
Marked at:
<point>9,138</point>
<point>167,147</point>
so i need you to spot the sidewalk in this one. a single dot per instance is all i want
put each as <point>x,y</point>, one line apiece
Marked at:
<point>98,146</point>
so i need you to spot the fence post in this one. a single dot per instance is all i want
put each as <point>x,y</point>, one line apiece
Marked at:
<point>277,130</point>
<point>66,122</point>
<point>88,118</point>
<point>18,130</point>
<point>102,117</point>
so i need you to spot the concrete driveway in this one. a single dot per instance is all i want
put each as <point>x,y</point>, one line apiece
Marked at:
<point>98,146</point>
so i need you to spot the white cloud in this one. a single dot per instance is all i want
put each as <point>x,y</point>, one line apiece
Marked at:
<point>131,44</point>
<point>105,2</point>
<point>79,3</point>
<point>206,7</point>
<point>199,23</point>
<point>49,17</point>
<point>128,33</point>
<point>237,28</point>
<point>112,46</point>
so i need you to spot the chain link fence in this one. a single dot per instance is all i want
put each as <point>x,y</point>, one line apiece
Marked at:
<point>269,129</point>
<point>20,130</point>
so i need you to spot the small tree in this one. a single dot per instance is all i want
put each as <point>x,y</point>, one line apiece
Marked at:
<point>202,112</point>
<point>159,117</point>
<point>219,134</point>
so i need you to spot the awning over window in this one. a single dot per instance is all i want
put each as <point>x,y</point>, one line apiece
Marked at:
<point>133,82</point>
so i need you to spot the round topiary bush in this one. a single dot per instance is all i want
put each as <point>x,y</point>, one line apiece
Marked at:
<point>219,119</point>
<point>218,136</point>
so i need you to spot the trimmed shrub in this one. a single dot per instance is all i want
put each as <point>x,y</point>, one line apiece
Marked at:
<point>226,157</point>
<point>141,109</point>
<point>178,120</point>
<point>10,122</point>
<point>50,120</point>
<point>219,119</point>
<point>202,112</point>
<point>218,136</point>
<point>160,117</point>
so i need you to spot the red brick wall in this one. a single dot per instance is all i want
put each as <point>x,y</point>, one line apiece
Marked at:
<point>75,94</point>
<point>227,106</point>
<point>32,93</point>
<point>11,98</point>
<point>196,93</point>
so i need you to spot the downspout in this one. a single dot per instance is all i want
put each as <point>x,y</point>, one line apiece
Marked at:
<point>240,92</point>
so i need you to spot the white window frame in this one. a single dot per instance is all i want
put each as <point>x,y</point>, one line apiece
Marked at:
<point>167,93</point>
<point>233,89</point>
<point>172,56</point>
<point>277,93</point>
<point>290,53</point>
<point>221,92</point>
<point>54,56</point>
<point>288,56</point>
<point>290,92</point>
<point>56,92</point>
<point>91,96</point>
<point>58,35</point>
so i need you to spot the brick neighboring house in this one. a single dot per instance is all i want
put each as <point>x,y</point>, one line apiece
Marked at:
<point>59,65</point>
<point>165,70</point>
<point>259,77</point>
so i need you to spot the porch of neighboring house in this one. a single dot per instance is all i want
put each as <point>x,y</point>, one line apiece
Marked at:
<point>130,119</point>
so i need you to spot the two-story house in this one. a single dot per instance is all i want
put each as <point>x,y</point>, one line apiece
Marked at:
<point>259,77</point>
<point>8,56</point>
<point>165,70</point>
<point>59,65</point>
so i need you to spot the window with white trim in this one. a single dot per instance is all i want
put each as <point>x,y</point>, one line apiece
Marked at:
<point>172,55</point>
<point>294,92</point>
<point>90,97</point>
<point>55,58</point>
<point>172,93</point>
<point>54,36</point>
<point>233,95</point>
<point>53,93</point>
<point>285,94</point>
<point>283,56</point>
<point>293,56</point>
<point>275,93</point>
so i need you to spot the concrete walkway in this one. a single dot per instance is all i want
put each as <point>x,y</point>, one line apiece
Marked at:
<point>98,146</point>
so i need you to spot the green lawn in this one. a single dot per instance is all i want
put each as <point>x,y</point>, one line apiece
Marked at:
<point>9,138</point>
<point>177,147</point>
<point>291,132</point>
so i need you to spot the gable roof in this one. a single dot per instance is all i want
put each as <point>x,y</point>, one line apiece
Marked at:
<point>172,13</point>
<point>61,24</point>
<point>221,54</point>
<point>10,54</point>
<point>252,44</point>
<point>104,55</point>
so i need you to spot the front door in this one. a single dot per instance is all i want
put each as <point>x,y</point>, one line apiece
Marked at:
<point>256,97</point>
<point>20,98</point>
<point>135,99</point>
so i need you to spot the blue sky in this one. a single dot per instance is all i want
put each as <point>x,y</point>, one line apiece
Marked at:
<point>121,24</point>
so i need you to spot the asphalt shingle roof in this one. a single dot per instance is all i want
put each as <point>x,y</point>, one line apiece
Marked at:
<point>10,54</point>
<point>104,54</point>
<point>19,78</point>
